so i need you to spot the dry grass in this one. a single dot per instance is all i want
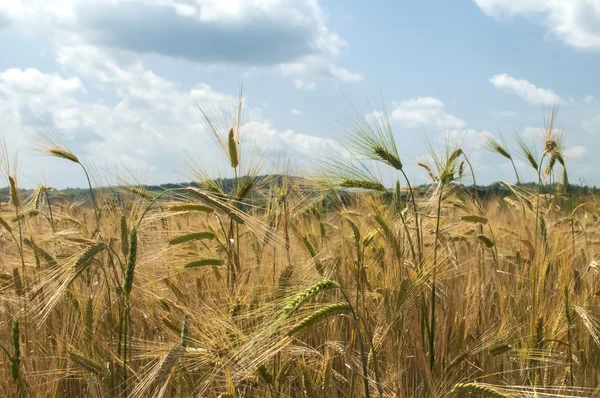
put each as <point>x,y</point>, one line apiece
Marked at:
<point>279,290</point>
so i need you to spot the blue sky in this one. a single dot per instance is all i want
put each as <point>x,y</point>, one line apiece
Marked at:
<point>119,80</point>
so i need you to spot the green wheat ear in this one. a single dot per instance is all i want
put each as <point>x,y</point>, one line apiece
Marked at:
<point>203,262</point>
<point>184,330</point>
<point>318,316</point>
<point>386,156</point>
<point>299,299</point>
<point>131,260</point>
<point>124,235</point>
<point>233,150</point>
<point>88,364</point>
<point>362,184</point>
<point>14,197</point>
<point>5,224</point>
<point>192,207</point>
<point>191,237</point>
<point>85,257</point>
<point>15,361</point>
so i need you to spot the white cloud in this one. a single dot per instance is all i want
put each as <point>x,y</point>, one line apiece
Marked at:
<point>526,90</point>
<point>295,112</point>
<point>289,35</point>
<point>424,112</point>
<point>467,138</point>
<point>591,126</point>
<point>589,99</point>
<point>32,80</point>
<point>503,114</point>
<point>575,152</point>
<point>574,22</point>
<point>302,85</point>
<point>534,133</point>
<point>148,123</point>
<point>316,66</point>
<point>289,143</point>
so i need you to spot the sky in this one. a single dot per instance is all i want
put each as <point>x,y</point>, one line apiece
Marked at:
<point>120,81</point>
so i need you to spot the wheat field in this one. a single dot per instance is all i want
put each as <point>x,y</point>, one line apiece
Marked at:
<point>332,286</point>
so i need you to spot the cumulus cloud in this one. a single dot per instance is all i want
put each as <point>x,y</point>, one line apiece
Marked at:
<point>302,85</point>
<point>592,125</point>
<point>424,112</point>
<point>534,133</point>
<point>588,99</point>
<point>310,66</point>
<point>526,90</point>
<point>289,142</point>
<point>149,122</point>
<point>295,112</point>
<point>574,22</point>
<point>575,152</point>
<point>288,34</point>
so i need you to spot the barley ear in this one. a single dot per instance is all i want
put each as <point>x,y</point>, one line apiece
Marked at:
<point>299,299</point>
<point>5,224</point>
<point>18,284</point>
<point>184,330</point>
<point>88,364</point>
<point>475,219</point>
<point>204,262</point>
<point>318,316</point>
<point>124,236</point>
<point>89,319</point>
<point>14,197</point>
<point>191,237</point>
<point>192,207</point>
<point>131,260</point>
<point>15,361</point>
<point>487,241</point>
<point>362,184</point>
<point>64,154</point>
<point>388,157</point>
<point>233,150</point>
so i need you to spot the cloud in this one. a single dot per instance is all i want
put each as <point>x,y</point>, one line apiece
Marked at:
<point>291,35</point>
<point>289,143</point>
<point>311,66</point>
<point>32,81</point>
<point>534,133</point>
<point>589,99</point>
<point>467,138</point>
<point>526,90</point>
<point>424,112</point>
<point>574,22</point>
<point>592,125</point>
<point>575,152</point>
<point>302,85</point>
<point>37,100</point>
<point>503,114</point>
<point>4,21</point>
<point>295,112</point>
<point>144,121</point>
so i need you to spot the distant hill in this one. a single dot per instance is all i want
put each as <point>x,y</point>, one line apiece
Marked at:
<point>493,190</point>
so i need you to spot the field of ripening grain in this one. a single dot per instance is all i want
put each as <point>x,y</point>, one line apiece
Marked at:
<point>280,286</point>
